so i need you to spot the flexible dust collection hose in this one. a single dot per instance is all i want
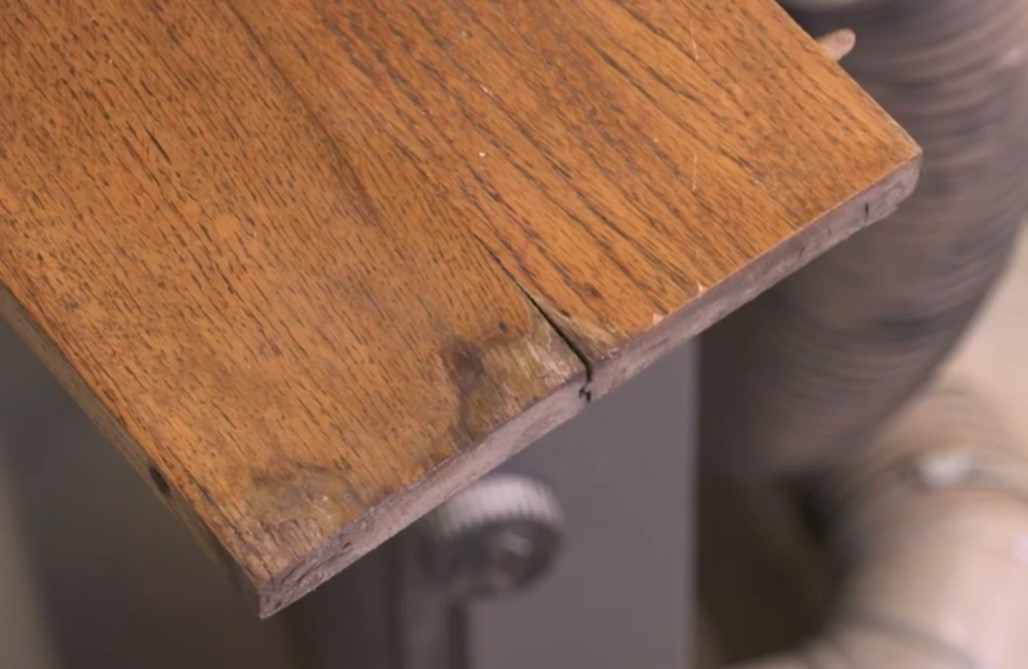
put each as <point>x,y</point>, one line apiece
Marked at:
<point>928,520</point>
<point>811,369</point>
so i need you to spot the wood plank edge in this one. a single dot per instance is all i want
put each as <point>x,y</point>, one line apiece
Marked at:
<point>273,592</point>
<point>807,244</point>
<point>406,507</point>
<point>276,591</point>
<point>40,342</point>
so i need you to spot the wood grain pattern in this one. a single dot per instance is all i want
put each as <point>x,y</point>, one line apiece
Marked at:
<point>316,264</point>
<point>620,159</point>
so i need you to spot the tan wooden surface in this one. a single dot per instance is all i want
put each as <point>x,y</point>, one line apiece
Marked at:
<point>316,264</point>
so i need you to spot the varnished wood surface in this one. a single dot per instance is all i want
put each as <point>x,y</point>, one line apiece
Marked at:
<point>314,265</point>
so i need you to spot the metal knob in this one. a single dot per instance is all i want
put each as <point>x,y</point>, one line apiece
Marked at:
<point>495,536</point>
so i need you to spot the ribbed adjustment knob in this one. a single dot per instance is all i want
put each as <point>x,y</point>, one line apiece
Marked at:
<point>495,536</point>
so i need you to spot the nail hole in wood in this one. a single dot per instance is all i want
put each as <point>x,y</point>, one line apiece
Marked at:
<point>158,480</point>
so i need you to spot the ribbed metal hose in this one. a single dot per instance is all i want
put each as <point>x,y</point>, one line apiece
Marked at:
<point>816,365</point>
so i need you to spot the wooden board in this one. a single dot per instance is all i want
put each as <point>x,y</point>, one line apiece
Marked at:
<point>314,265</point>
